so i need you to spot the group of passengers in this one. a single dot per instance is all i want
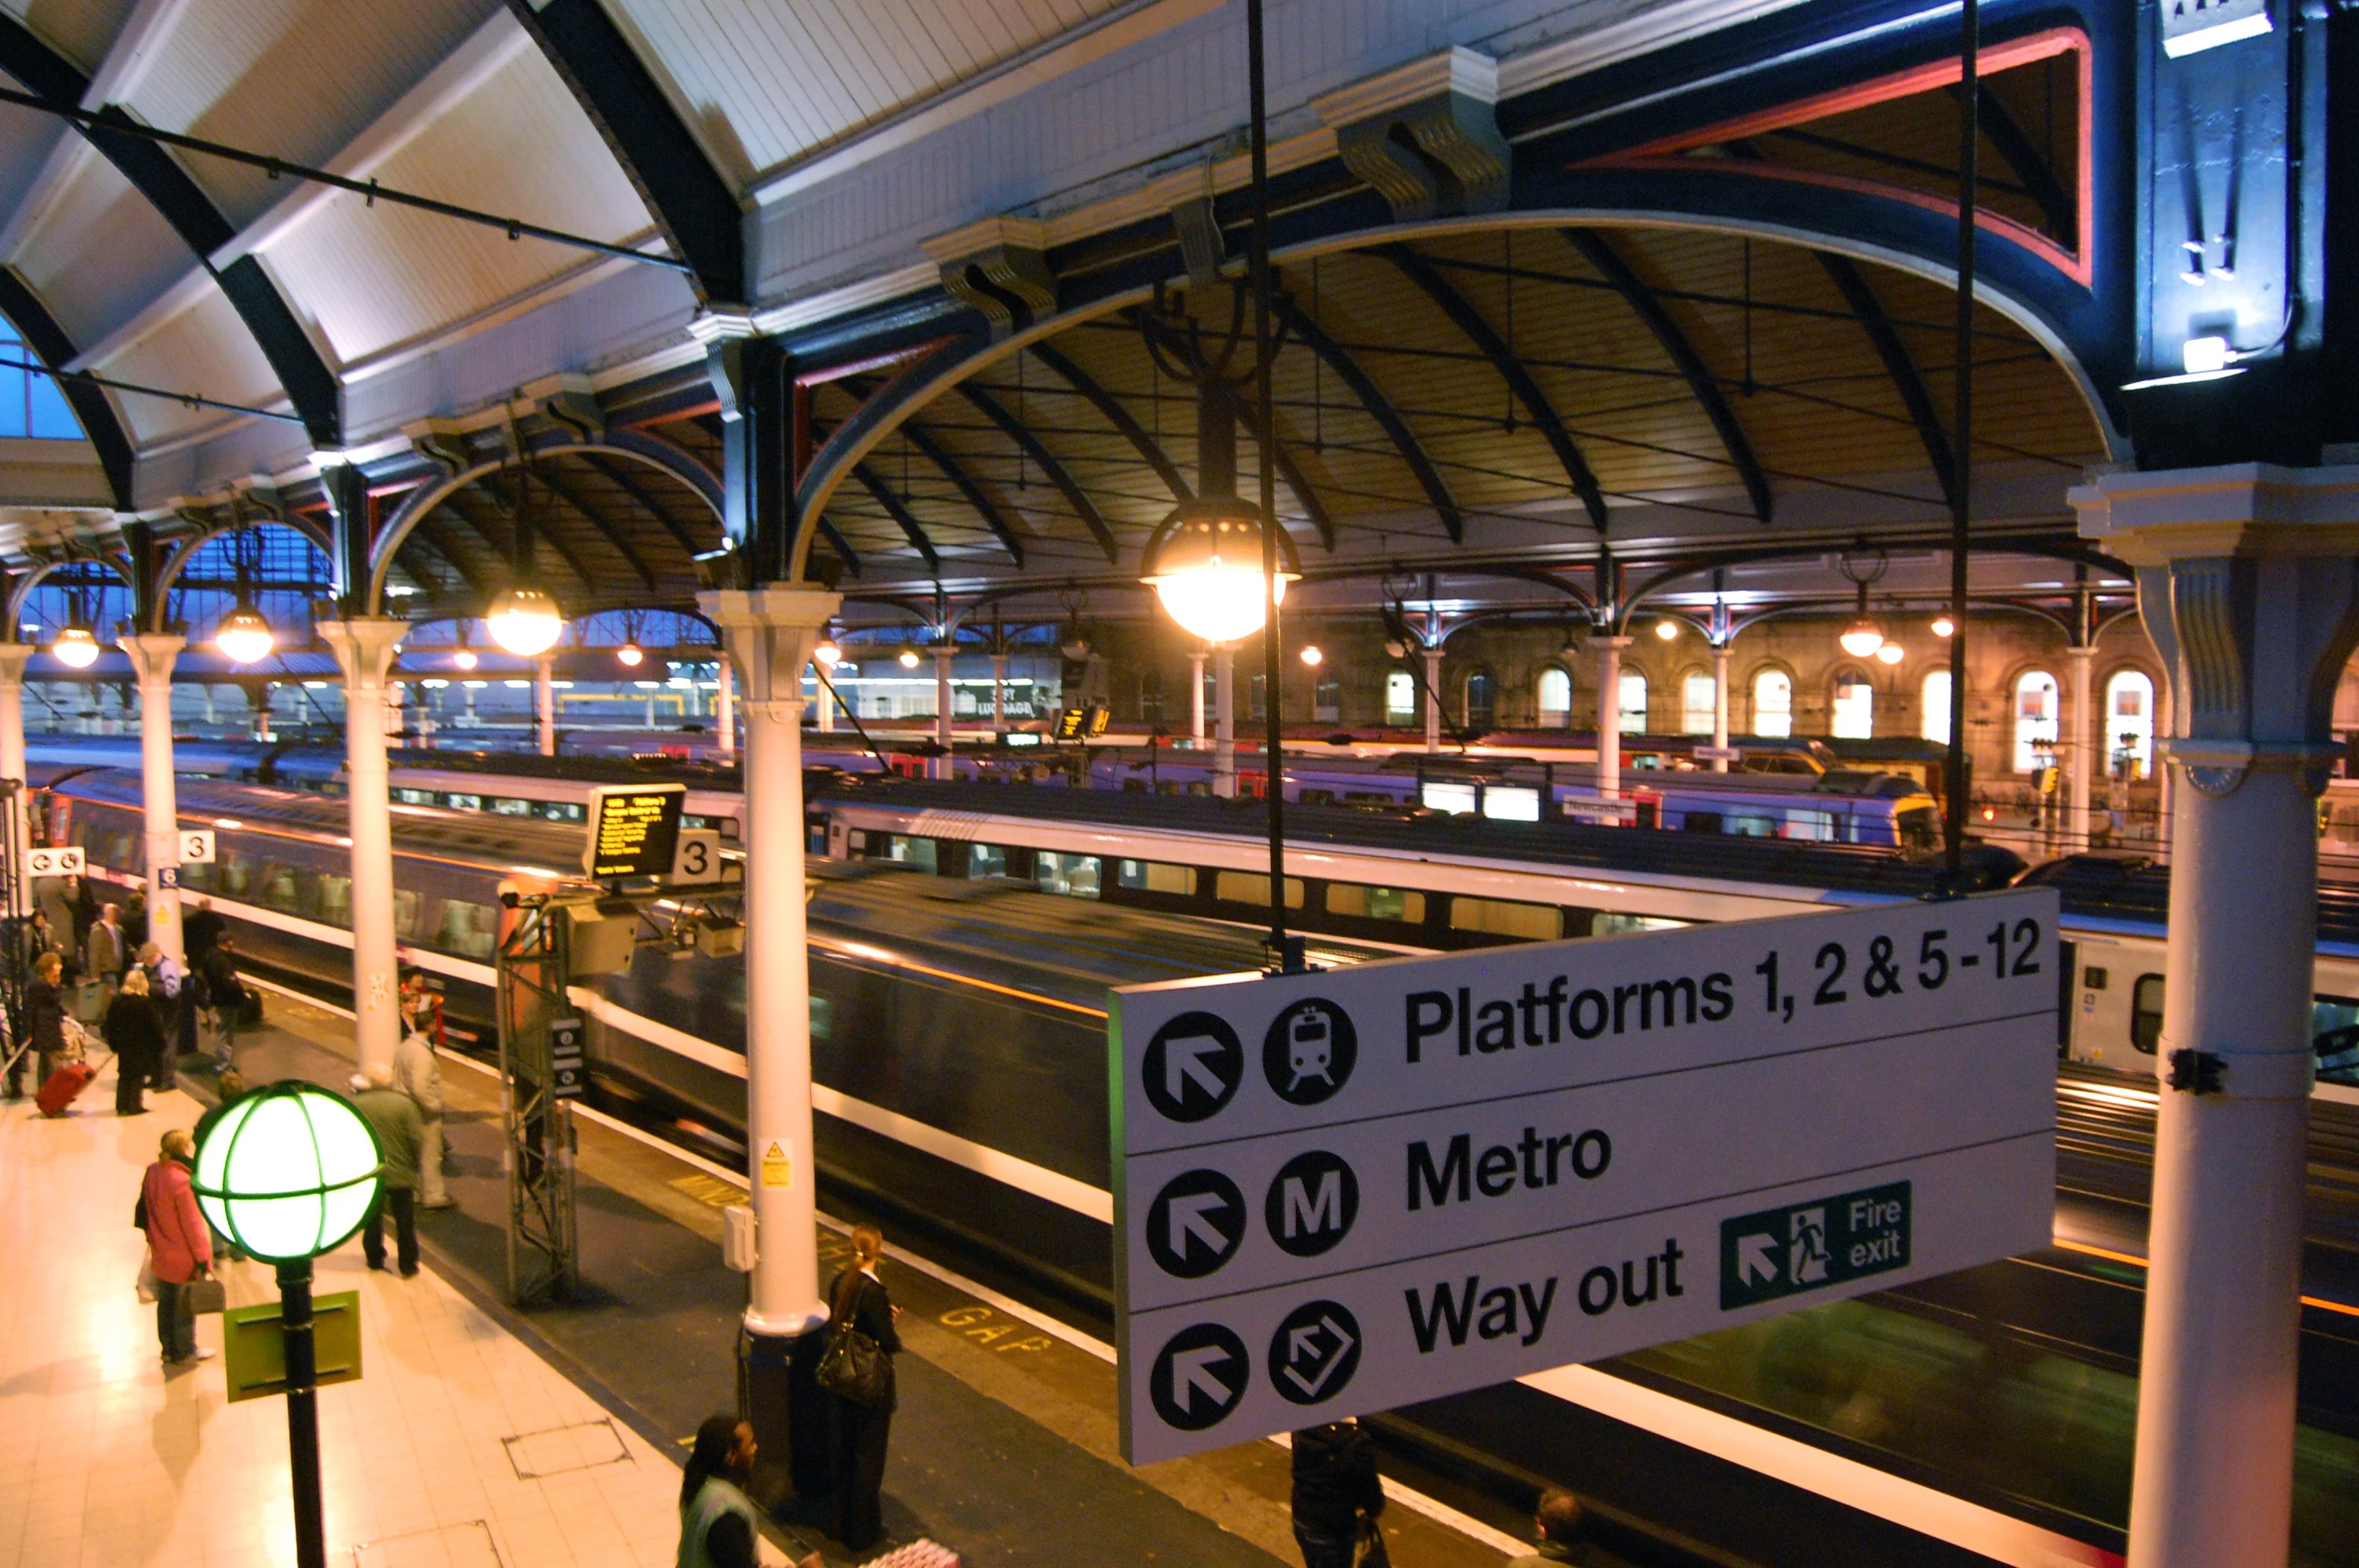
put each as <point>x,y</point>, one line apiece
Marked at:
<point>146,1005</point>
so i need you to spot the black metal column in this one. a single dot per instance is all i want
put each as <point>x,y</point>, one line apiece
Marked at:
<point>302,1413</point>
<point>749,376</point>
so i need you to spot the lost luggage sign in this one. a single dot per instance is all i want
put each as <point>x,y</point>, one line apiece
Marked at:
<point>634,830</point>
<point>1344,1192</point>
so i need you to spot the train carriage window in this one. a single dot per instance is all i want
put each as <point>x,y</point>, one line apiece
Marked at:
<point>2335,1032</point>
<point>1750,825</point>
<point>1499,917</point>
<point>236,874</point>
<point>1818,826</point>
<point>1156,876</point>
<point>1918,828</point>
<point>505,805</point>
<point>197,879</point>
<point>406,905</point>
<point>1607,922</point>
<point>987,860</point>
<point>1253,887</point>
<point>2146,1013</point>
<point>1361,903</point>
<point>910,849</point>
<point>335,899</point>
<point>1069,876</point>
<point>414,797</point>
<point>471,930</point>
<point>279,888</point>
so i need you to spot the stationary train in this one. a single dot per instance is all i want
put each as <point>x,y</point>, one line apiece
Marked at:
<point>961,951</point>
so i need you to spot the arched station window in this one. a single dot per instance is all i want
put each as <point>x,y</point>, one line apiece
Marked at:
<point>1555,699</point>
<point>1633,716</point>
<point>1773,704</point>
<point>1852,717</point>
<point>1400,697</point>
<point>1481,698</point>
<point>1697,707</point>
<point>31,403</point>
<point>1933,721</point>
<point>2035,711</point>
<point>2129,723</point>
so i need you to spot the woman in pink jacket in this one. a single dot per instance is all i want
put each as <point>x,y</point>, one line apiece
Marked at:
<point>179,1246</point>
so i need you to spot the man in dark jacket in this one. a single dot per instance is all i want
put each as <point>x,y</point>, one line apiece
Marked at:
<point>44,1013</point>
<point>200,931</point>
<point>224,993</point>
<point>401,1133</point>
<point>1337,1494</point>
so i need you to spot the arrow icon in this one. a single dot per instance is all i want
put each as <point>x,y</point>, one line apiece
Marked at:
<point>1188,1218</point>
<point>1192,1374</point>
<point>1186,1058</point>
<point>1756,1258</point>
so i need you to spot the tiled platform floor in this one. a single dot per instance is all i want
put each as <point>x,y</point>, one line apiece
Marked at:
<point>458,1441</point>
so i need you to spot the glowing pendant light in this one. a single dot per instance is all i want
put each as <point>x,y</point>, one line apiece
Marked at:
<point>244,636</point>
<point>630,655</point>
<point>1205,562</point>
<point>525,620</point>
<point>75,647</point>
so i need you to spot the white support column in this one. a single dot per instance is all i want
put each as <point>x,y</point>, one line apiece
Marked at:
<point>942,767</point>
<point>769,634</point>
<point>2081,753</point>
<point>2248,577</point>
<point>1609,715</point>
<point>998,692</point>
<point>2166,796</point>
<point>15,822</point>
<point>364,649</point>
<point>151,656</point>
<point>544,705</point>
<point>1225,722</point>
<point>1432,698</point>
<point>1196,696</point>
<point>724,709</point>
<point>1719,705</point>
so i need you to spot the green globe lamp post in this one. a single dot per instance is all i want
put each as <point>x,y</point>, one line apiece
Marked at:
<point>287,1173</point>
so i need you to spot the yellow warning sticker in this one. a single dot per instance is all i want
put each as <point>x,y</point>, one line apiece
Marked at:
<point>778,1165</point>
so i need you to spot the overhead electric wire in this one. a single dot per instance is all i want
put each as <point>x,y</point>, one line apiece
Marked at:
<point>186,399</point>
<point>113,122</point>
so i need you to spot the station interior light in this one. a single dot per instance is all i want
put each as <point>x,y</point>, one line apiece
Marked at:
<point>244,636</point>
<point>1208,571</point>
<point>1669,631</point>
<point>1944,626</point>
<point>630,655</point>
<point>525,620</point>
<point>1862,639</point>
<point>908,659</point>
<point>827,653</point>
<point>1311,654</point>
<point>75,647</point>
<point>1891,652</point>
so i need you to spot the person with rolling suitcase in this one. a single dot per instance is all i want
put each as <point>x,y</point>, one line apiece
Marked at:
<point>45,1012</point>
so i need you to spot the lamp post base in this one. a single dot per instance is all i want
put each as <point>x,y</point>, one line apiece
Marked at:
<point>778,1397</point>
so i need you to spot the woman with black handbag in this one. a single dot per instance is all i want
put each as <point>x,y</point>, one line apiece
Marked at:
<point>856,1370</point>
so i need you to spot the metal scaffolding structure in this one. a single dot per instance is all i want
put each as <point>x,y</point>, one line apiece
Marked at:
<point>536,1025</point>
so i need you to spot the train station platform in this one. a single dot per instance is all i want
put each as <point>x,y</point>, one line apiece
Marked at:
<point>480,1436</point>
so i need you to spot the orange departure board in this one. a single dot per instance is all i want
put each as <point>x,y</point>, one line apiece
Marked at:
<point>634,828</point>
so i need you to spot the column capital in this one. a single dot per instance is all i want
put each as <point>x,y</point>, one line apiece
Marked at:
<point>363,647</point>
<point>1614,642</point>
<point>151,654</point>
<point>770,632</point>
<point>2248,584</point>
<point>13,656</point>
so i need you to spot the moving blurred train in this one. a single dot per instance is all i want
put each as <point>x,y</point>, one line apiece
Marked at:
<point>963,940</point>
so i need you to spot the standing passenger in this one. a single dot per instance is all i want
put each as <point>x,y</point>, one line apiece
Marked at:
<point>199,931</point>
<point>44,1023</point>
<point>136,1035</point>
<point>1337,1494</point>
<point>1564,1534</point>
<point>417,1073</point>
<point>180,1248</point>
<point>399,1131</point>
<point>225,994</point>
<point>858,1299</point>
<point>175,999</point>
<point>103,951</point>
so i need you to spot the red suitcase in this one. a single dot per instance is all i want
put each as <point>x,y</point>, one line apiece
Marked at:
<point>63,1085</point>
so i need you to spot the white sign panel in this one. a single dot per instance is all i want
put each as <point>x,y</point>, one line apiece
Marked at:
<point>696,857</point>
<point>1345,1192</point>
<point>196,846</point>
<point>67,861</point>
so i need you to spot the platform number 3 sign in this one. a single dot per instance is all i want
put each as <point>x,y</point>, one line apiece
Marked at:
<point>197,846</point>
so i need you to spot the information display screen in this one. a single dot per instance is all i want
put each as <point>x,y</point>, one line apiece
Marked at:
<point>633,830</point>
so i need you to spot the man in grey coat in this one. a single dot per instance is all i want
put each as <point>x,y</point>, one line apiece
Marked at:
<point>418,1074</point>
<point>400,1132</point>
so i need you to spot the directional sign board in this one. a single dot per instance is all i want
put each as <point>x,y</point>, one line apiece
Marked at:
<point>567,1078</point>
<point>196,846</point>
<point>1345,1192</point>
<point>66,861</point>
<point>634,828</point>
